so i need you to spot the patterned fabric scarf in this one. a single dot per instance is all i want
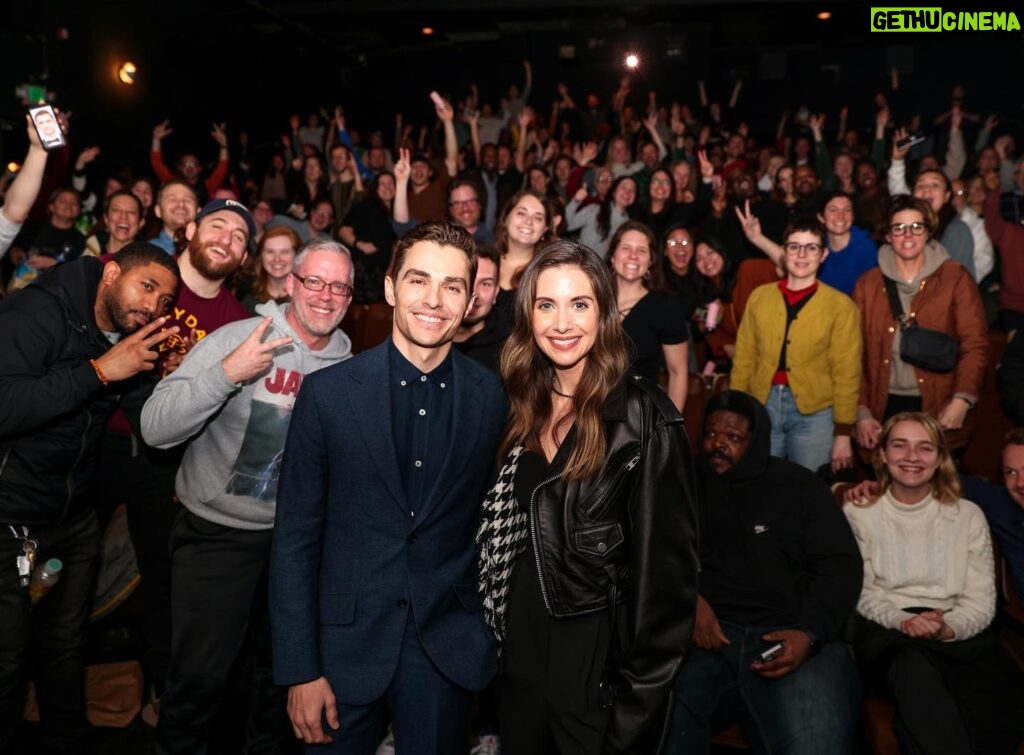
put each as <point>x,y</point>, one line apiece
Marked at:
<point>501,539</point>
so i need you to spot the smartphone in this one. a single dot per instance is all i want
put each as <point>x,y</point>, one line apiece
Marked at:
<point>910,141</point>
<point>47,126</point>
<point>773,652</point>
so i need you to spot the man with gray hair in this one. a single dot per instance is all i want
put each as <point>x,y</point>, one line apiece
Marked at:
<point>240,384</point>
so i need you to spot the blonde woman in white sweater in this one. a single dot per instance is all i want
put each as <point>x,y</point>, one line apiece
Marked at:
<point>928,598</point>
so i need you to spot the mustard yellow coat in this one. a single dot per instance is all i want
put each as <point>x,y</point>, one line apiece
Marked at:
<point>823,355</point>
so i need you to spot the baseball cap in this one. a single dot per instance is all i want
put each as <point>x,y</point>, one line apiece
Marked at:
<point>216,205</point>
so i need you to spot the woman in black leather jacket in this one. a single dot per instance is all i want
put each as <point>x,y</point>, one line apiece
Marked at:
<point>588,546</point>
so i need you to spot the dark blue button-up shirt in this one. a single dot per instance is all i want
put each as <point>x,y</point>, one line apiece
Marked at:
<point>421,423</point>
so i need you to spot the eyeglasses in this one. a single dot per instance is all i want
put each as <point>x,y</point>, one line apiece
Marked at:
<point>322,214</point>
<point>315,284</point>
<point>603,179</point>
<point>673,243</point>
<point>190,164</point>
<point>916,228</point>
<point>794,249</point>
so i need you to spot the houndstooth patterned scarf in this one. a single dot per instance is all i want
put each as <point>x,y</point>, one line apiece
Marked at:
<point>501,538</point>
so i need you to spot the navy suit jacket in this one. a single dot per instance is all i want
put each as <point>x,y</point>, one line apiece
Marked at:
<point>350,562</point>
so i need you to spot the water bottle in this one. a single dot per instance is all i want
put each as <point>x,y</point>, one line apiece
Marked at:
<point>44,579</point>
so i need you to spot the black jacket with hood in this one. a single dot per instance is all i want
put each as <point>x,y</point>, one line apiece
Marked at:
<point>775,548</point>
<point>53,406</point>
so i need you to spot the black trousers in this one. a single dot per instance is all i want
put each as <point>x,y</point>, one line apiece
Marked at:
<point>51,638</point>
<point>952,698</point>
<point>218,589</point>
<point>548,688</point>
<point>143,479</point>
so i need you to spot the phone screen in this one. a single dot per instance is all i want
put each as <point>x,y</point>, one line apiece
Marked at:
<point>47,126</point>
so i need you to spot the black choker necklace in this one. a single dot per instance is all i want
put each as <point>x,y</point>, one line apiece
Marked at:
<point>554,387</point>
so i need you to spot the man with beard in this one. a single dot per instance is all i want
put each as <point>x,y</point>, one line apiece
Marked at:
<point>780,575</point>
<point>485,327</point>
<point>175,208</point>
<point>240,385</point>
<point>142,476</point>
<point>67,343</point>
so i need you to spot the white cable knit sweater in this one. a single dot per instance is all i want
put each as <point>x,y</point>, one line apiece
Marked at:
<point>925,554</point>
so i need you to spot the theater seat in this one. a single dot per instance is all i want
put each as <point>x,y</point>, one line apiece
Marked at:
<point>693,412</point>
<point>377,327</point>
<point>352,325</point>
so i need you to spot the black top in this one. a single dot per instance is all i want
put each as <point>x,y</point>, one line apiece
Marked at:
<point>421,422</point>
<point>656,320</point>
<point>370,222</point>
<point>486,345</point>
<point>64,244</point>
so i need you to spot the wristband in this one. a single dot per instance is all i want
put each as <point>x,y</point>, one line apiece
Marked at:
<point>99,372</point>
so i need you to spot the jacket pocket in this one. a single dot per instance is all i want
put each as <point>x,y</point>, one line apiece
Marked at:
<point>337,609</point>
<point>600,540</point>
<point>469,596</point>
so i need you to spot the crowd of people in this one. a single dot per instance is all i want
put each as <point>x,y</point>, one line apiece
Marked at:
<point>173,341</point>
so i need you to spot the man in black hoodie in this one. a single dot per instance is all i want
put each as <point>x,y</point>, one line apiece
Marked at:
<point>63,361</point>
<point>780,574</point>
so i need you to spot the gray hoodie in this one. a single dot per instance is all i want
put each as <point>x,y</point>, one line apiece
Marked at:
<point>236,433</point>
<point>902,378</point>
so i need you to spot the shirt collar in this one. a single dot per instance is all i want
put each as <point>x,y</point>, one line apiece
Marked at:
<point>404,373</point>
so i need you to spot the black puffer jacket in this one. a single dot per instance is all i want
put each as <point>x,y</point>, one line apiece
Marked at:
<point>52,404</point>
<point>630,530</point>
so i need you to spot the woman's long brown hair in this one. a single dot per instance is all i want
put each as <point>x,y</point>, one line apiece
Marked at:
<point>528,374</point>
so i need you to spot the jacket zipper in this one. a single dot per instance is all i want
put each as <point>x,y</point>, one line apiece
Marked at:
<point>536,541</point>
<point>599,494</point>
<point>69,484</point>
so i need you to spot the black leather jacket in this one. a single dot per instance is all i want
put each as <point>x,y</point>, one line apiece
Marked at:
<point>628,535</point>
<point>53,406</point>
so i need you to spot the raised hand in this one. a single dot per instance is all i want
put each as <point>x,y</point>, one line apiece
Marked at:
<point>707,168</point>
<point>816,122</point>
<point>442,107</point>
<point>743,129</point>
<point>87,156</point>
<point>1002,147</point>
<point>220,135</point>
<point>898,152</point>
<point>253,357</point>
<point>589,151</point>
<point>749,223</point>
<point>651,122</point>
<point>991,122</point>
<point>402,166</point>
<point>882,118</point>
<point>525,119</point>
<point>135,353</point>
<point>162,130</point>
<point>580,195</point>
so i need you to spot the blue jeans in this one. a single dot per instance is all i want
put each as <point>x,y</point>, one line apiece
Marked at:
<point>802,438</point>
<point>810,711</point>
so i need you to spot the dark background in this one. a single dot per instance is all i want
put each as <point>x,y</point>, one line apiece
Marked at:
<point>251,63</point>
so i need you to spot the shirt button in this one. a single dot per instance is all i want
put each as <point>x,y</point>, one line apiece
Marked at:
<point>601,547</point>
<point>403,603</point>
<point>423,412</point>
<point>423,378</point>
<point>417,463</point>
<point>403,382</point>
<point>442,385</point>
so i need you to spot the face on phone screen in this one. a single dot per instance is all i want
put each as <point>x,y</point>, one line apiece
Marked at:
<point>47,127</point>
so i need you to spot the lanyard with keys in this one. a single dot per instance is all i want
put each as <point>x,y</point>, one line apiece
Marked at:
<point>26,560</point>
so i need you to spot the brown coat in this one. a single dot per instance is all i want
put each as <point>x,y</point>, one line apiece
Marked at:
<point>948,301</point>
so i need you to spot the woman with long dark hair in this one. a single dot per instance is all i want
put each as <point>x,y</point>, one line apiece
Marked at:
<point>369,235</point>
<point>597,223</point>
<point>525,224</point>
<point>588,557</point>
<point>654,321</point>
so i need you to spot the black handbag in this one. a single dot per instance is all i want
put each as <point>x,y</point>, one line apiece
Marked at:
<point>928,349</point>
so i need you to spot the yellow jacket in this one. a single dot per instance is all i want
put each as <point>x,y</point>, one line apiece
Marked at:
<point>823,353</point>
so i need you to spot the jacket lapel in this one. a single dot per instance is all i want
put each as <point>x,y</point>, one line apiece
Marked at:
<point>370,399</point>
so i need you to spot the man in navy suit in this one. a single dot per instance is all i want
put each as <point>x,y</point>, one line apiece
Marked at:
<point>373,597</point>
